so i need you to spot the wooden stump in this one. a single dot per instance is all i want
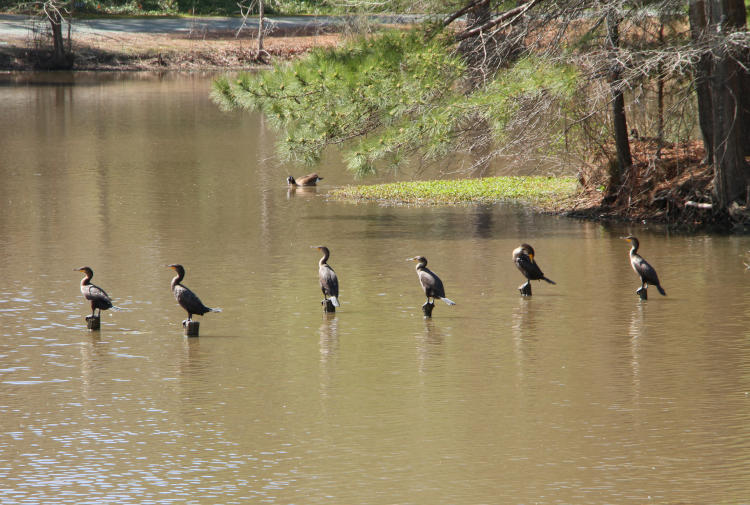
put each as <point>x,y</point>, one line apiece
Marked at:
<point>93,322</point>
<point>427,309</point>
<point>328,306</point>
<point>191,327</point>
<point>643,293</point>
<point>525,289</point>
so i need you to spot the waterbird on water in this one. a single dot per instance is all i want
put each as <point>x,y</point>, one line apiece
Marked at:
<point>431,283</point>
<point>645,271</point>
<point>308,180</point>
<point>329,283</point>
<point>186,298</point>
<point>523,257</point>
<point>97,296</point>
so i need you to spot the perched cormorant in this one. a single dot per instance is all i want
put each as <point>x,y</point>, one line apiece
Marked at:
<point>645,271</point>
<point>186,298</point>
<point>97,296</point>
<point>523,257</point>
<point>308,180</point>
<point>329,283</point>
<point>431,283</point>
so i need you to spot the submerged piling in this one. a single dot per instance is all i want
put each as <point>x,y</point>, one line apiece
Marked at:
<point>328,306</point>
<point>525,289</point>
<point>191,327</point>
<point>643,293</point>
<point>427,309</point>
<point>93,322</point>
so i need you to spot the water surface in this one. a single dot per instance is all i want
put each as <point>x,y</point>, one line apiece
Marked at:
<point>580,394</point>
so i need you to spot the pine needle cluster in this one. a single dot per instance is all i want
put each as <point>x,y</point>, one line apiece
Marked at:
<point>385,98</point>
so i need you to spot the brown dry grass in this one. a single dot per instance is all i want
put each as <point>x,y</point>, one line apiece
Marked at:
<point>655,189</point>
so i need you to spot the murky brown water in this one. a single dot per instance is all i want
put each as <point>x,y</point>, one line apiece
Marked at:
<point>582,394</point>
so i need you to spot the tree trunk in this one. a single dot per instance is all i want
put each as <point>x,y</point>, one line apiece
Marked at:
<point>702,77</point>
<point>260,26</point>
<point>620,125</point>
<point>59,56</point>
<point>660,97</point>
<point>731,175</point>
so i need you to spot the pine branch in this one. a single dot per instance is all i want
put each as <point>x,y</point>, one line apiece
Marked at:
<point>514,13</point>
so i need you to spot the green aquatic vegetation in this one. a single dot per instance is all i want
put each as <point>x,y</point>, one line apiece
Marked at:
<point>519,189</point>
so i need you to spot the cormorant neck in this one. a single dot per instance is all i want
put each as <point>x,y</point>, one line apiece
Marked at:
<point>86,280</point>
<point>634,248</point>
<point>421,265</point>
<point>324,259</point>
<point>177,279</point>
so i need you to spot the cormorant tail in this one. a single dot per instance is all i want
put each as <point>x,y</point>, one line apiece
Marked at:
<point>335,301</point>
<point>548,280</point>
<point>214,310</point>
<point>448,301</point>
<point>661,290</point>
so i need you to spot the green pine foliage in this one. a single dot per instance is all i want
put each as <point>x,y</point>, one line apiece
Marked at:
<point>386,98</point>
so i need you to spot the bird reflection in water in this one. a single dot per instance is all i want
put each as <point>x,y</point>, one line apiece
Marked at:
<point>525,339</point>
<point>329,349</point>
<point>301,191</point>
<point>636,330</point>
<point>329,337</point>
<point>430,343</point>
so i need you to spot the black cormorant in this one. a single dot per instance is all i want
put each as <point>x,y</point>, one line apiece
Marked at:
<point>645,271</point>
<point>523,257</point>
<point>186,298</point>
<point>97,296</point>
<point>308,180</point>
<point>329,283</point>
<point>431,283</point>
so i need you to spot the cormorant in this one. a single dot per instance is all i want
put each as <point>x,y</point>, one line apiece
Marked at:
<point>329,283</point>
<point>645,271</point>
<point>308,180</point>
<point>523,257</point>
<point>97,296</point>
<point>186,298</point>
<point>431,283</point>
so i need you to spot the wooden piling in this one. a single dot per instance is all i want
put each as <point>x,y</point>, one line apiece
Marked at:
<point>427,309</point>
<point>328,306</point>
<point>643,293</point>
<point>191,327</point>
<point>525,289</point>
<point>93,322</point>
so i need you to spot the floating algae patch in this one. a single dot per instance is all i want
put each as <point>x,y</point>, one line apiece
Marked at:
<point>536,190</point>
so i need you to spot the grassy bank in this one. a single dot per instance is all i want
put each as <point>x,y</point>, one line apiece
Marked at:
<point>534,190</point>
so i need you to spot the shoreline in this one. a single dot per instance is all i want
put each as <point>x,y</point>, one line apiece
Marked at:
<point>170,51</point>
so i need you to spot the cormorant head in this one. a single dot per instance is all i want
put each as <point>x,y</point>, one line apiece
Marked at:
<point>529,250</point>
<point>632,240</point>
<point>419,259</point>
<point>320,248</point>
<point>86,270</point>
<point>177,268</point>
